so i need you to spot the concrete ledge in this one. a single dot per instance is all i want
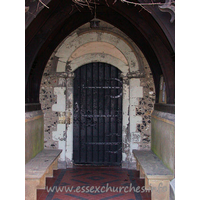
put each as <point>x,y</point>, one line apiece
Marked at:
<point>152,165</point>
<point>32,115</point>
<point>157,176</point>
<point>37,169</point>
<point>163,116</point>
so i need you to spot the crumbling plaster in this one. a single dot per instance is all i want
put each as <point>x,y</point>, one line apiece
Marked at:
<point>56,93</point>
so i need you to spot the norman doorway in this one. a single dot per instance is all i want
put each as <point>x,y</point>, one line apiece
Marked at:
<point>97,117</point>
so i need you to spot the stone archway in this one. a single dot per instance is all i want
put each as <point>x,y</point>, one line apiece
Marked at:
<point>138,88</point>
<point>112,44</point>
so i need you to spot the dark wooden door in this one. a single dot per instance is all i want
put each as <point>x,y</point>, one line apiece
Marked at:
<point>97,131</point>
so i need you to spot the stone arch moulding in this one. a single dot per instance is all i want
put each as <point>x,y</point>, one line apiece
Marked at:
<point>121,50</point>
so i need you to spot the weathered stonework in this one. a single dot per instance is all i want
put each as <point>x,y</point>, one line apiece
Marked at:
<point>56,92</point>
<point>145,109</point>
<point>47,100</point>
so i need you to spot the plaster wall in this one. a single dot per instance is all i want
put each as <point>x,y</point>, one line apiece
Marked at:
<point>163,137</point>
<point>34,134</point>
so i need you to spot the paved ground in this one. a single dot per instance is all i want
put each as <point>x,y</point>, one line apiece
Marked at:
<point>94,183</point>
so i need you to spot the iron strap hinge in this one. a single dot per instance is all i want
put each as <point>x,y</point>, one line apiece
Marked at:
<point>99,115</point>
<point>103,143</point>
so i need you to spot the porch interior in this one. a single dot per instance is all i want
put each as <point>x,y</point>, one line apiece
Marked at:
<point>131,47</point>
